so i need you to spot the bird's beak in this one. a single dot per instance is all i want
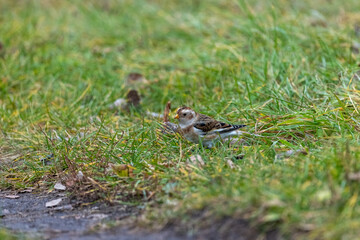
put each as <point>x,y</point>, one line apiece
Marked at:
<point>177,116</point>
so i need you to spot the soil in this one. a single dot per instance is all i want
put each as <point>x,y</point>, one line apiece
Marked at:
<point>28,216</point>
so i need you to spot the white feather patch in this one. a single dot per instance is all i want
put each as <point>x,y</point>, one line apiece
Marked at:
<point>198,131</point>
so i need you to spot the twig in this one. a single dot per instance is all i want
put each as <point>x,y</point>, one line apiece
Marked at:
<point>167,111</point>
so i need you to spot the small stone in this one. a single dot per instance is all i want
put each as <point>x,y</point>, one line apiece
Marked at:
<point>98,216</point>
<point>5,211</point>
<point>80,175</point>
<point>154,114</point>
<point>62,208</point>
<point>53,203</point>
<point>59,186</point>
<point>120,102</point>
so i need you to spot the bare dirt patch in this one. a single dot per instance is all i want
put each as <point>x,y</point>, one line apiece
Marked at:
<point>26,214</point>
<point>71,219</point>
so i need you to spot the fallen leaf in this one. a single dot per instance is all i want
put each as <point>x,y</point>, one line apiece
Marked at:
<point>59,186</point>
<point>12,196</point>
<point>53,203</point>
<point>69,183</point>
<point>122,170</point>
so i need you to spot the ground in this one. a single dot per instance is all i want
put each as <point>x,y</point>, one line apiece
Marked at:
<point>79,219</point>
<point>83,85</point>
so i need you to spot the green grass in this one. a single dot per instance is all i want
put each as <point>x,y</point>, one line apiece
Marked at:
<point>285,68</point>
<point>8,236</point>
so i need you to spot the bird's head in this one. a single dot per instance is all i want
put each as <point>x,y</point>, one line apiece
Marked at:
<point>185,115</point>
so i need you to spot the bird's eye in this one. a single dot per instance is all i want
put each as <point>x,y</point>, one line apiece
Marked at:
<point>184,114</point>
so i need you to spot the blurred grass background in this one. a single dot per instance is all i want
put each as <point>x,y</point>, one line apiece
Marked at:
<point>288,69</point>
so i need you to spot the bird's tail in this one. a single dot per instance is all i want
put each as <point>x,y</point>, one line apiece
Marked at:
<point>232,128</point>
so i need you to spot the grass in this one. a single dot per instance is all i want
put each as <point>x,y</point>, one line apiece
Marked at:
<point>6,236</point>
<point>285,68</point>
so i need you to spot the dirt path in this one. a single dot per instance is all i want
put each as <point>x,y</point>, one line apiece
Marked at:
<point>69,220</point>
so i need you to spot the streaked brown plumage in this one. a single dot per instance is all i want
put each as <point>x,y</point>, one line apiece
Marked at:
<point>198,127</point>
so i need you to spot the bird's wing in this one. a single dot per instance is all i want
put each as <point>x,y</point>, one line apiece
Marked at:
<point>206,125</point>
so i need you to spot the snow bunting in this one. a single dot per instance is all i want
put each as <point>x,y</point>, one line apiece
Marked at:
<point>197,127</point>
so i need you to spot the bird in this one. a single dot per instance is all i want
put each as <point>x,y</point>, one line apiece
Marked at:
<point>200,128</point>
